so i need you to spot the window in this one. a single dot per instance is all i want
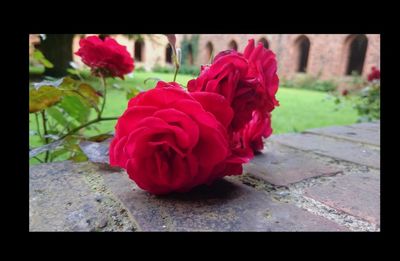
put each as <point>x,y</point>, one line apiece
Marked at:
<point>264,42</point>
<point>303,48</point>
<point>210,50</point>
<point>233,45</point>
<point>357,46</point>
<point>103,36</point>
<point>190,54</point>
<point>168,54</point>
<point>139,49</point>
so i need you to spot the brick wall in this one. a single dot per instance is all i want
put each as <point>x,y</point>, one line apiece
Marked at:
<point>328,53</point>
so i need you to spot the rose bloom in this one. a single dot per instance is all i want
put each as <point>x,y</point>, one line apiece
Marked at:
<point>258,128</point>
<point>263,67</point>
<point>248,81</point>
<point>169,140</point>
<point>105,58</point>
<point>374,74</point>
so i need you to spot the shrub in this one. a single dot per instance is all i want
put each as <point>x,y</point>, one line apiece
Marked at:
<point>184,69</point>
<point>309,82</point>
<point>163,69</point>
<point>189,69</point>
<point>367,101</point>
<point>140,69</point>
<point>368,105</point>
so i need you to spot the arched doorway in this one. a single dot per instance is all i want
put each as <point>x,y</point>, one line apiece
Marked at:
<point>190,54</point>
<point>302,45</point>
<point>139,50</point>
<point>103,36</point>
<point>168,54</point>
<point>357,48</point>
<point>264,42</point>
<point>233,45</point>
<point>210,50</point>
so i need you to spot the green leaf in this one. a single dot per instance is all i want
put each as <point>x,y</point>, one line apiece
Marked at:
<point>44,148</point>
<point>59,117</point>
<point>73,71</point>
<point>75,108</point>
<point>71,87</point>
<point>38,55</point>
<point>42,98</point>
<point>152,78</point>
<point>55,154</point>
<point>78,157</point>
<point>89,93</point>
<point>52,136</point>
<point>72,145</point>
<point>64,83</point>
<point>49,83</point>
<point>101,137</point>
<point>130,93</point>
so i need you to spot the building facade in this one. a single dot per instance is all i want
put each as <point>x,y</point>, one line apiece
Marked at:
<point>324,55</point>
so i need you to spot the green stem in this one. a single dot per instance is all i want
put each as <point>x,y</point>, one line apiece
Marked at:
<point>38,127</point>
<point>90,101</point>
<point>176,71</point>
<point>87,124</point>
<point>41,161</point>
<point>103,81</point>
<point>176,62</point>
<point>46,139</point>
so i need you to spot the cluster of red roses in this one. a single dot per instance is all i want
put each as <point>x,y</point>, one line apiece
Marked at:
<point>170,139</point>
<point>375,74</point>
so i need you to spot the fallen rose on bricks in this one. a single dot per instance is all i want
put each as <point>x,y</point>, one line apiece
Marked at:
<point>169,139</point>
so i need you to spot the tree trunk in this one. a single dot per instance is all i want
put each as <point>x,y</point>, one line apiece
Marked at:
<point>57,48</point>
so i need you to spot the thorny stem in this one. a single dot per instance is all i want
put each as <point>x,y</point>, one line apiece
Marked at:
<point>46,139</point>
<point>98,119</point>
<point>103,81</point>
<point>36,158</point>
<point>37,126</point>
<point>87,124</point>
<point>176,62</point>
<point>176,71</point>
<point>83,126</point>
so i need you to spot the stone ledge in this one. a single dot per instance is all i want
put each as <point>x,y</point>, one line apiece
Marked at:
<point>290,187</point>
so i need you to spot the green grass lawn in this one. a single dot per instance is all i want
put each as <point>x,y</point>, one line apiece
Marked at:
<point>304,109</point>
<point>299,109</point>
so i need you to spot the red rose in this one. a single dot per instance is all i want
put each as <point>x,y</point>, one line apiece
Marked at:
<point>374,74</point>
<point>259,127</point>
<point>105,58</point>
<point>263,67</point>
<point>248,81</point>
<point>248,141</point>
<point>227,76</point>
<point>219,107</point>
<point>168,140</point>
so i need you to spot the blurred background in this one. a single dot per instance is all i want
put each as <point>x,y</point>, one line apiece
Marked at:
<point>323,77</point>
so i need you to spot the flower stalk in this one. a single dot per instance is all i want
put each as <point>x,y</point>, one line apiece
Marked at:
<point>46,139</point>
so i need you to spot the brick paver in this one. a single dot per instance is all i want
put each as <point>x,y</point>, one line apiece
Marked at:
<point>280,165</point>
<point>91,196</point>
<point>357,194</point>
